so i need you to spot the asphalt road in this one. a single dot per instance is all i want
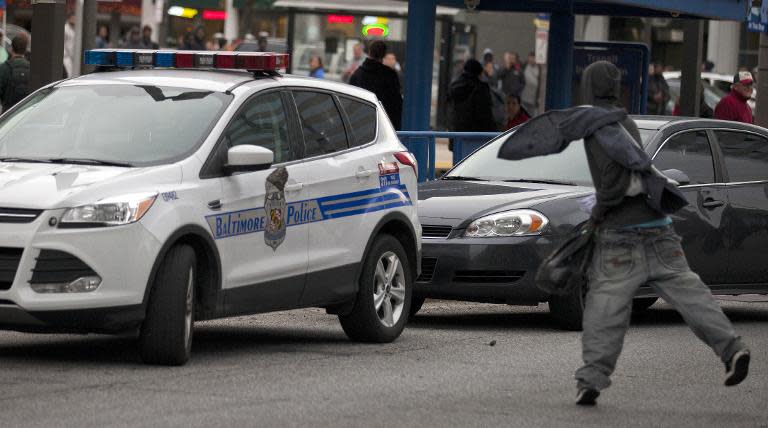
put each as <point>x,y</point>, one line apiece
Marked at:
<point>298,369</point>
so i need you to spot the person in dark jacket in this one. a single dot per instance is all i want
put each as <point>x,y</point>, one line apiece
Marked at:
<point>14,74</point>
<point>511,76</point>
<point>470,101</point>
<point>658,91</point>
<point>635,243</point>
<point>734,106</point>
<point>376,77</point>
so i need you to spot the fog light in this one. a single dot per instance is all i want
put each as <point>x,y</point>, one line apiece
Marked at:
<point>80,285</point>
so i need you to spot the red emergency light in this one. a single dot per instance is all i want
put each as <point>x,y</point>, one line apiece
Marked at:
<point>214,15</point>
<point>131,58</point>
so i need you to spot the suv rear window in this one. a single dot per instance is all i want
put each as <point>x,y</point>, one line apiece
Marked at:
<point>362,120</point>
<point>321,123</point>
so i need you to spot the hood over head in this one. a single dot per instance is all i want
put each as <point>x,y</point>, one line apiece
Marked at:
<point>601,84</point>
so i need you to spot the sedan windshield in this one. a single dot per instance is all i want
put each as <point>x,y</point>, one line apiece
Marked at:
<point>567,167</point>
<point>110,124</point>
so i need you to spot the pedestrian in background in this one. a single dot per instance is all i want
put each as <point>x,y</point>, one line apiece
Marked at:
<point>516,113</point>
<point>14,74</point>
<point>658,90</point>
<point>262,43</point>
<point>390,60</point>
<point>316,69</point>
<point>358,56</point>
<point>490,69</point>
<point>146,38</point>
<point>734,106</point>
<point>196,41</point>
<point>469,101</point>
<point>511,75</point>
<point>102,37</point>
<point>636,245</point>
<point>133,39</point>
<point>376,77</point>
<point>69,44</point>
<point>530,93</point>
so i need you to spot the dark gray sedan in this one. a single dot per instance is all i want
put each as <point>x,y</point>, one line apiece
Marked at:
<point>488,223</point>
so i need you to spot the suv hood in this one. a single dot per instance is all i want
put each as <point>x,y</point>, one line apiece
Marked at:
<point>50,186</point>
<point>448,202</point>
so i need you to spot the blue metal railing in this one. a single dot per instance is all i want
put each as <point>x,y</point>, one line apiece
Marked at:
<point>422,145</point>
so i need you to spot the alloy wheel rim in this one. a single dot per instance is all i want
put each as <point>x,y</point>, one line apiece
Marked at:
<point>389,289</point>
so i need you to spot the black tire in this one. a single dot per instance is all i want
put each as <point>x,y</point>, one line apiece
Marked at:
<point>568,311</point>
<point>643,303</point>
<point>363,324</point>
<point>163,338</point>
<point>416,303</point>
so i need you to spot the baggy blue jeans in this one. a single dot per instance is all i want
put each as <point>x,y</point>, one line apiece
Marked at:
<point>623,261</point>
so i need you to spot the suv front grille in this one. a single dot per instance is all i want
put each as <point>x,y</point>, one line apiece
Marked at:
<point>9,264</point>
<point>488,276</point>
<point>435,231</point>
<point>428,265</point>
<point>54,267</point>
<point>18,215</point>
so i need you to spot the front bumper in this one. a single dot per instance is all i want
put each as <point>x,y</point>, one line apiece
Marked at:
<point>121,256</point>
<point>492,270</point>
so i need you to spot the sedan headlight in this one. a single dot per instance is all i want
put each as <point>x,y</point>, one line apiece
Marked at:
<point>109,212</point>
<point>507,223</point>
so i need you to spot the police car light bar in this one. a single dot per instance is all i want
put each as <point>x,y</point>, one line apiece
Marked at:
<point>143,58</point>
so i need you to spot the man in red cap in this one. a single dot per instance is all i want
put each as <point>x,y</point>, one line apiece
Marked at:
<point>734,105</point>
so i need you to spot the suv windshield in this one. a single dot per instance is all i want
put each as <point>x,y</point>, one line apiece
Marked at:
<point>117,124</point>
<point>568,167</point>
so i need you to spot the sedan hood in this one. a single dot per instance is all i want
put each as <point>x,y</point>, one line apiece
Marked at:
<point>451,202</point>
<point>49,186</point>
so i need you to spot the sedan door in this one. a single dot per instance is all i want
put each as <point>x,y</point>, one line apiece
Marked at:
<point>746,161</point>
<point>701,224</point>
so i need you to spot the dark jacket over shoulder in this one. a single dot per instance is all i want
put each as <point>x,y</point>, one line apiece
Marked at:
<point>617,151</point>
<point>384,82</point>
<point>470,104</point>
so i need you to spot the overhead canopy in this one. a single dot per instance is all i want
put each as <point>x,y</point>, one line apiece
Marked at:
<point>735,10</point>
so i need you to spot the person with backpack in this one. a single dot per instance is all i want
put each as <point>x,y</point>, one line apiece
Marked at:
<point>14,74</point>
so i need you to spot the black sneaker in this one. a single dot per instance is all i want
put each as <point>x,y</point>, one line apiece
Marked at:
<point>587,397</point>
<point>737,368</point>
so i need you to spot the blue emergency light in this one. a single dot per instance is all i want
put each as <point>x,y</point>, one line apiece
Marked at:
<point>144,58</point>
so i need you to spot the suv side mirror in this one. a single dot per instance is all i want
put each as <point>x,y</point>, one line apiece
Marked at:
<point>677,175</point>
<point>248,158</point>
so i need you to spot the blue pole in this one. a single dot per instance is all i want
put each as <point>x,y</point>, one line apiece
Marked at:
<point>560,56</point>
<point>418,64</point>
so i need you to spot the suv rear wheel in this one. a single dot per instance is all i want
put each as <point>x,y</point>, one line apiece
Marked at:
<point>384,296</point>
<point>166,333</point>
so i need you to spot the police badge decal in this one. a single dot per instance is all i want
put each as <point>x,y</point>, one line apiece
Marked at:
<point>275,208</point>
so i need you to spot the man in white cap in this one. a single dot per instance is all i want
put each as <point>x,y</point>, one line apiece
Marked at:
<point>734,106</point>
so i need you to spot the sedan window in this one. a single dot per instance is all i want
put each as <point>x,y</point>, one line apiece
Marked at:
<point>690,153</point>
<point>746,156</point>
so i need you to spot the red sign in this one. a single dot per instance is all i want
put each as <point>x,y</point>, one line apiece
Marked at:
<point>341,19</point>
<point>214,15</point>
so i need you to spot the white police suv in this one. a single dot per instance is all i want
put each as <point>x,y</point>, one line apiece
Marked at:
<point>172,187</point>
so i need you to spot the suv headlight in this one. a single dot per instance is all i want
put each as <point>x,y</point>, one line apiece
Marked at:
<point>507,223</point>
<point>114,211</point>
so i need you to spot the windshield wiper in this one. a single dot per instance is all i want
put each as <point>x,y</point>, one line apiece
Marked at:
<point>540,180</point>
<point>86,161</point>
<point>15,159</point>
<point>461,178</point>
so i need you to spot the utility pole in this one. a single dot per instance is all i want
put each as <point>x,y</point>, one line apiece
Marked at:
<point>47,63</point>
<point>693,41</point>
<point>89,33</point>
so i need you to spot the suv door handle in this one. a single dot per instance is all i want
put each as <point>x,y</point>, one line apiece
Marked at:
<point>711,203</point>
<point>294,187</point>
<point>363,173</point>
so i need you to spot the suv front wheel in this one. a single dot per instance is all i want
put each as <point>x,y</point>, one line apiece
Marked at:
<point>384,295</point>
<point>166,333</point>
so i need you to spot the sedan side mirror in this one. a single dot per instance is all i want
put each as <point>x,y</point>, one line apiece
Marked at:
<point>677,175</point>
<point>248,158</point>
